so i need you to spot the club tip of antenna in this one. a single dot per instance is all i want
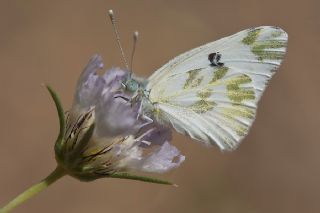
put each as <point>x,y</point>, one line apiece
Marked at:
<point>135,35</point>
<point>110,12</point>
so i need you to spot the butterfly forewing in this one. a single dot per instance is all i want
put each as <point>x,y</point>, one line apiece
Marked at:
<point>211,92</point>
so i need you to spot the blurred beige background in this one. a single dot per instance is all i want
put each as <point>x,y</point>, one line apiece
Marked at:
<point>276,168</point>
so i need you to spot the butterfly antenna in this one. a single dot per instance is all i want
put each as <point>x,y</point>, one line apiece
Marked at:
<point>135,39</point>
<point>113,21</point>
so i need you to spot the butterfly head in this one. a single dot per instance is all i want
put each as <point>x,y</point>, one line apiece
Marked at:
<point>131,85</point>
<point>134,84</point>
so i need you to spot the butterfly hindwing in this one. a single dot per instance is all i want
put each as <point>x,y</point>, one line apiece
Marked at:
<point>211,92</point>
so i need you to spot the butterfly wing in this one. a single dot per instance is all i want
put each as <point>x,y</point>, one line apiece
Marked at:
<point>213,102</point>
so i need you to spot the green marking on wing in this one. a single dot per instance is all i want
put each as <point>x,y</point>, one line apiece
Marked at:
<point>241,130</point>
<point>239,79</point>
<point>193,80</point>
<point>202,106</point>
<point>263,49</point>
<point>238,94</point>
<point>219,73</point>
<point>251,37</point>
<point>196,82</point>
<point>277,33</point>
<point>240,111</point>
<point>205,93</point>
<point>230,121</point>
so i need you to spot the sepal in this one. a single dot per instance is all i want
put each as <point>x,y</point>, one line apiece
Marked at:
<point>60,139</point>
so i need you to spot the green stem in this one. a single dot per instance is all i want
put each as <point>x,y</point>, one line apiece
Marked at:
<point>33,190</point>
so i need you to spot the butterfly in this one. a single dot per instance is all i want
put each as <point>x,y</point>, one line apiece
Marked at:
<point>211,93</point>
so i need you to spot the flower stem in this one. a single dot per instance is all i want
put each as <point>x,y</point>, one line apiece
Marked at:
<point>33,190</point>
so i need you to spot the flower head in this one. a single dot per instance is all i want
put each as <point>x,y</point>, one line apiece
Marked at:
<point>106,132</point>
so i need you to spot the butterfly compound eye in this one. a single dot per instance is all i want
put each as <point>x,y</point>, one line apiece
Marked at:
<point>131,85</point>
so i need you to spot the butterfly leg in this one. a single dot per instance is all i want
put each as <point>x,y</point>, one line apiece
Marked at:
<point>122,97</point>
<point>143,116</point>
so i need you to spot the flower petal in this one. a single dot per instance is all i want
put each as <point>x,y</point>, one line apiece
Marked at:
<point>115,74</point>
<point>115,117</point>
<point>163,159</point>
<point>90,84</point>
<point>155,134</point>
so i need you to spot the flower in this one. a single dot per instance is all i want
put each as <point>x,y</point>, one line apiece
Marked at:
<point>107,133</point>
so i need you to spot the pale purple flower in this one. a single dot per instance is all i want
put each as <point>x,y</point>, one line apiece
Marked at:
<point>123,138</point>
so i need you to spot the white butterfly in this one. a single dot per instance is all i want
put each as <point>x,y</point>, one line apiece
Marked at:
<point>211,93</point>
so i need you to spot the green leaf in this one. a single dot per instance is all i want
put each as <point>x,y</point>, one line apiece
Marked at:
<point>141,178</point>
<point>62,122</point>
